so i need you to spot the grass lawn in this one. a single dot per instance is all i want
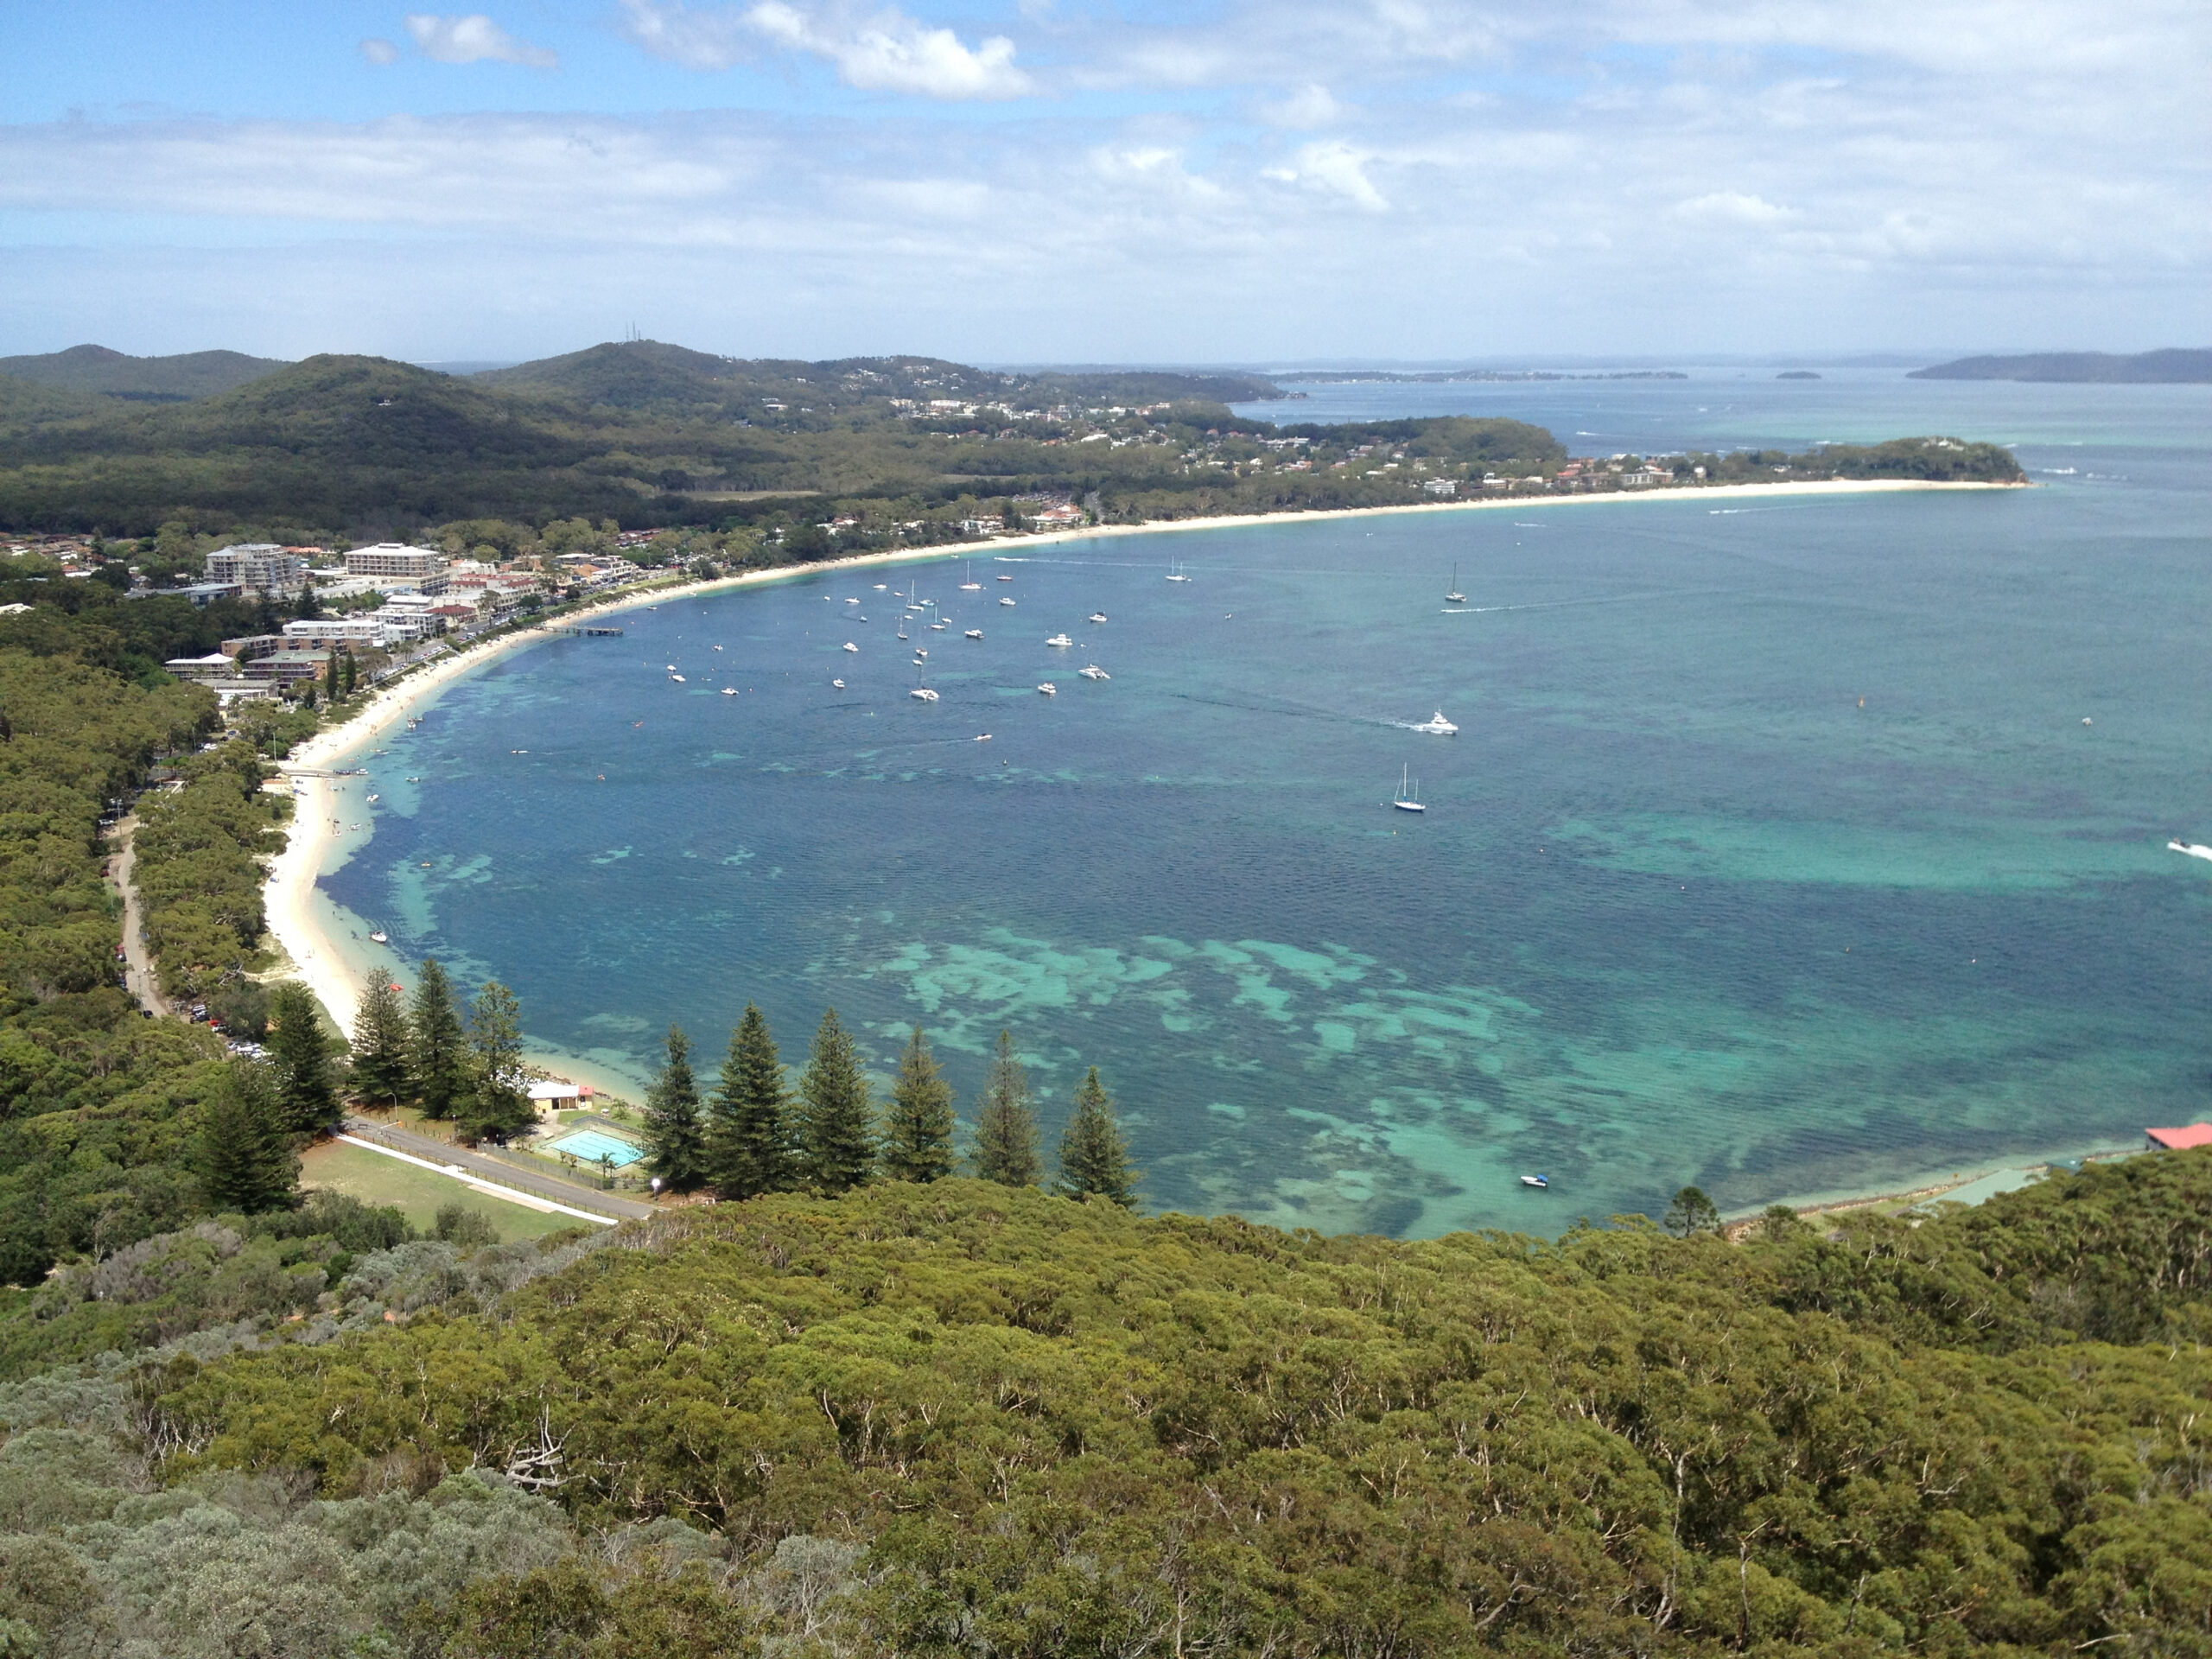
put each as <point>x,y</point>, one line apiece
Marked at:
<point>418,1193</point>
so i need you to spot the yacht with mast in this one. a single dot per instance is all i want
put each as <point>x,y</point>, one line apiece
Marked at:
<point>1455,597</point>
<point>1409,795</point>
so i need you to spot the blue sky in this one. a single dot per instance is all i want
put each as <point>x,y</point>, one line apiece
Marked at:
<point>1048,180</point>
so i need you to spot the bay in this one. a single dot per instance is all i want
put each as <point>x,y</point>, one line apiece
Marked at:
<point>1773,852</point>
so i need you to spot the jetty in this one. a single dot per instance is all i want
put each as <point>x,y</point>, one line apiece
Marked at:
<point>585,630</point>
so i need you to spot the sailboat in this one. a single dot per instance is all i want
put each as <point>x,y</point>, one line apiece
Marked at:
<point>1455,597</point>
<point>1408,796</point>
<point>1175,572</point>
<point>971,586</point>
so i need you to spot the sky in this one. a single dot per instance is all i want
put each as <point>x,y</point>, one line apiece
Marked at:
<point>1260,181</point>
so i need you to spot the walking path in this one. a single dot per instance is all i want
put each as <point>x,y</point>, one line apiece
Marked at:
<point>480,1172</point>
<point>138,974</point>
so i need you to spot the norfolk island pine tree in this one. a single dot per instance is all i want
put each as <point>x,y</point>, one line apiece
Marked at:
<point>837,1121</point>
<point>380,1045</point>
<point>301,1061</point>
<point>1094,1156</point>
<point>917,1125</point>
<point>437,1047</point>
<point>245,1153</point>
<point>749,1125</point>
<point>676,1142</point>
<point>1006,1125</point>
<point>496,1105</point>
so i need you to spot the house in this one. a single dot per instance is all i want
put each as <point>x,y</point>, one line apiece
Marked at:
<point>2196,1135</point>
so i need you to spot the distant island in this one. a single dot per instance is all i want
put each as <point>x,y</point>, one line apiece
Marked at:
<point>1797,374</point>
<point>2170,367</point>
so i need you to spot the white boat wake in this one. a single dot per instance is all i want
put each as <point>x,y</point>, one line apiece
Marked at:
<point>2189,849</point>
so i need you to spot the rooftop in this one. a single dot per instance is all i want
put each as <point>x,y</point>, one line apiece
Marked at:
<point>2196,1135</point>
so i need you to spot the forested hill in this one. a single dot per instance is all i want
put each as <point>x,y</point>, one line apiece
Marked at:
<point>964,1420</point>
<point>145,379</point>
<point>2169,368</point>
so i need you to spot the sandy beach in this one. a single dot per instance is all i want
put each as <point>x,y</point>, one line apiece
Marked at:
<point>290,895</point>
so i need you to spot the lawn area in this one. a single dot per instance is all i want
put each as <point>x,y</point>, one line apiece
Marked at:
<point>418,1193</point>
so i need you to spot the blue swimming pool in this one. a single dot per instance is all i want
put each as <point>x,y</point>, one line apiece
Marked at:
<point>591,1146</point>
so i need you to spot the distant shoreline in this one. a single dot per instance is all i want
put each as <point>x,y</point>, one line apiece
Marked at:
<point>290,891</point>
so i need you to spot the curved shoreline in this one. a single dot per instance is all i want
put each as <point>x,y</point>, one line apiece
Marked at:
<point>290,894</point>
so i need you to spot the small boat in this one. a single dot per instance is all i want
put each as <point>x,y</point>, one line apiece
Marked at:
<point>380,938</point>
<point>672,668</point>
<point>882,587</point>
<point>373,800</point>
<point>2189,849</point>
<point>937,627</point>
<point>922,693</point>
<point>975,633</point>
<point>1175,572</point>
<point>902,628</point>
<point>1437,725</point>
<point>1408,796</point>
<point>1539,1181</point>
<point>1060,640</point>
<point>971,586</point>
<point>1049,688</point>
<point>729,690</point>
<point>678,679</point>
<point>850,645</point>
<point>852,602</point>
<point>1098,616</point>
<point>919,653</point>
<point>1003,601</point>
<point>414,781</point>
<point>1092,671</point>
<point>1005,578</point>
<point>982,737</point>
<point>718,647</point>
<point>837,684</point>
<point>1455,597</point>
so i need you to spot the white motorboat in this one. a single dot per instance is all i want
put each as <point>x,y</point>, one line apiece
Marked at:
<point>373,800</point>
<point>1092,671</point>
<point>1437,725</point>
<point>852,602</point>
<point>919,653</point>
<point>1536,1181</point>
<point>1408,796</point>
<point>837,684</point>
<point>850,645</point>
<point>729,690</point>
<point>1098,616</point>
<point>1003,601</point>
<point>982,737</point>
<point>882,587</point>
<point>380,938</point>
<point>1005,578</point>
<point>923,694</point>
<point>1060,640</point>
<point>1049,688</point>
<point>678,679</point>
<point>975,633</point>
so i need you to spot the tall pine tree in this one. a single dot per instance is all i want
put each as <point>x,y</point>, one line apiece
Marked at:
<point>837,1126</point>
<point>497,1104</point>
<point>380,1045</point>
<point>299,1055</point>
<point>1094,1157</point>
<point>1005,1128</point>
<point>437,1048</point>
<point>245,1157</point>
<point>749,1134</point>
<point>676,1141</point>
<point>917,1127</point>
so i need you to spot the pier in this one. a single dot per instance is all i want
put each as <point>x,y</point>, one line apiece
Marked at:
<point>582,629</point>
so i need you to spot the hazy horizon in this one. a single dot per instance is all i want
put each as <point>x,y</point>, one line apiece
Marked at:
<point>1040,181</point>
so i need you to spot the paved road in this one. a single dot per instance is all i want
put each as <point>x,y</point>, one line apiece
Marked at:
<point>138,974</point>
<point>493,1169</point>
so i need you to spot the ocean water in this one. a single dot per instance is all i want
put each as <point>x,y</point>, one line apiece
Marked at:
<point>1786,847</point>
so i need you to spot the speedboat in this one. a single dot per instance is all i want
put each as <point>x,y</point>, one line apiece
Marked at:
<point>1437,725</point>
<point>678,679</point>
<point>922,693</point>
<point>975,633</point>
<point>729,690</point>
<point>850,645</point>
<point>373,800</point>
<point>919,653</point>
<point>837,684</point>
<point>982,737</point>
<point>1536,1181</point>
<point>1049,688</point>
<point>1092,671</point>
<point>1098,616</point>
<point>380,938</point>
<point>882,587</point>
<point>1005,578</point>
<point>852,602</point>
<point>1005,602</point>
<point>1060,640</point>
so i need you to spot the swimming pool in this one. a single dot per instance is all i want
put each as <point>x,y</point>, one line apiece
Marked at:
<point>591,1146</point>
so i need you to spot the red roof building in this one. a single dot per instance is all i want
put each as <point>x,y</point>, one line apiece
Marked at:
<point>2196,1135</point>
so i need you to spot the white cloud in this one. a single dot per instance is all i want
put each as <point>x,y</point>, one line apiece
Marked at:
<point>1335,168</point>
<point>892,52</point>
<point>1309,106</point>
<point>714,39</point>
<point>474,39</point>
<point>379,51</point>
<point>1731,208</point>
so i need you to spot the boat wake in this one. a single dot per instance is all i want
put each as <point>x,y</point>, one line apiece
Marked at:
<point>2189,849</point>
<point>1551,604</point>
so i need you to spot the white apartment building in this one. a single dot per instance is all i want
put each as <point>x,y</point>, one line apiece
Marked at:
<point>328,630</point>
<point>395,559</point>
<point>259,567</point>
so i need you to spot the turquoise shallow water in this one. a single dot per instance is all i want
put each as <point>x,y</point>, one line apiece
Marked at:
<point>1683,908</point>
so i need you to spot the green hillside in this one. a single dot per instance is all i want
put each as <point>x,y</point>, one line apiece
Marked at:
<point>142,379</point>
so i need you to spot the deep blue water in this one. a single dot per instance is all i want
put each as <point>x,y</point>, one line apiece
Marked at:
<point>1683,907</point>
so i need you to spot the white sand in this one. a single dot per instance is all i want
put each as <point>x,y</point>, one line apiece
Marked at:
<point>289,895</point>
